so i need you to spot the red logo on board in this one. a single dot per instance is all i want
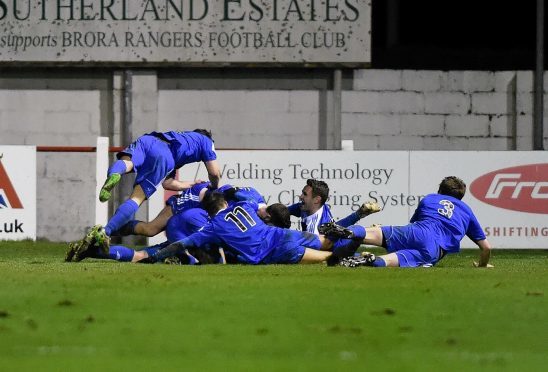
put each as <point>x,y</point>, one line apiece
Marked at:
<point>8,196</point>
<point>523,188</point>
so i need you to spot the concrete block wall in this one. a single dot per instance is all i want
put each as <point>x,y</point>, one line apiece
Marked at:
<point>440,110</point>
<point>268,119</point>
<point>383,110</point>
<point>52,112</point>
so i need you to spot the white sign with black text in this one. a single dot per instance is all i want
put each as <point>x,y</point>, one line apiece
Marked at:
<point>17,192</point>
<point>508,191</point>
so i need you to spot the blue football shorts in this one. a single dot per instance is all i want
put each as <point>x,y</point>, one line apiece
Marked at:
<point>291,248</point>
<point>152,162</point>
<point>185,223</point>
<point>414,245</point>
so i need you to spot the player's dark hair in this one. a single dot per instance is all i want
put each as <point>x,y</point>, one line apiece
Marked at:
<point>213,202</point>
<point>204,132</point>
<point>319,188</point>
<point>279,215</point>
<point>230,193</point>
<point>452,186</point>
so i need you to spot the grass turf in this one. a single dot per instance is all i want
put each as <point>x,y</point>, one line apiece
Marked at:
<point>104,315</point>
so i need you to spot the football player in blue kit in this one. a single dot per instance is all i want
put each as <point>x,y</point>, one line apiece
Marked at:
<point>185,217</point>
<point>436,228</point>
<point>178,227</point>
<point>241,232</point>
<point>154,157</point>
<point>189,199</point>
<point>313,210</point>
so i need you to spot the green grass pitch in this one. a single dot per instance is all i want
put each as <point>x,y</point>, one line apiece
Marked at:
<point>109,316</point>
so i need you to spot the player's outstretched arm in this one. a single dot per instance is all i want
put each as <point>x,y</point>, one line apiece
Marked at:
<point>176,185</point>
<point>213,172</point>
<point>485,253</point>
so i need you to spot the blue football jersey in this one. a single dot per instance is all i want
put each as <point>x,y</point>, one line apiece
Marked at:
<point>239,229</point>
<point>249,194</point>
<point>189,147</point>
<point>189,198</point>
<point>448,219</point>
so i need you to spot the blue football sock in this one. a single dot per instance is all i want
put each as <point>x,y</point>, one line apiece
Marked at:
<point>127,229</point>
<point>349,220</point>
<point>359,231</point>
<point>117,167</point>
<point>379,262</point>
<point>123,215</point>
<point>152,250</point>
<point>191,259</point>
<point>345,247</point>
<point>120,253</point>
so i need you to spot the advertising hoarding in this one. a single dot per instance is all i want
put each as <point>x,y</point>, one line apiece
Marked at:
<point>186,31</point>
<point>17,192</point>
<point>397,180</point>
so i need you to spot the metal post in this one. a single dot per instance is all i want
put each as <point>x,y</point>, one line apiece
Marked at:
<point>513,117</point>
<point>126,184</point>
<point>127,130</point>
<point>538,125</point>
<point>337,108</point>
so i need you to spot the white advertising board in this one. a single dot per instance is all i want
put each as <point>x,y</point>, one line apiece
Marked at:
<point>397,180</point>
<point>507,190</point>
<point>17,192</point>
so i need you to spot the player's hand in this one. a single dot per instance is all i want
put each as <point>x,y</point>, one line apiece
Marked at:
<point>489,266</point>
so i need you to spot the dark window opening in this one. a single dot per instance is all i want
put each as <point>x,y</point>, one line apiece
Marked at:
<point>454,35</point>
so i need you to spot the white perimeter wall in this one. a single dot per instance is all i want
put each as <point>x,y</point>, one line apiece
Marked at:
<point>383,110</point>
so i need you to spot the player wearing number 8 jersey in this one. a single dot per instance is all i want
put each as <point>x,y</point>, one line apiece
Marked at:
<point>437,227</point>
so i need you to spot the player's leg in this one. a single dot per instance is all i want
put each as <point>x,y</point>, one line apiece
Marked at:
<point>406,246</point>
<point>386,260</point>
<point>156,226</point>
<point>116,252</point>
<point>311,256</point>
<point>100,235</point>
<point>369,259</point>
<point>125,211</point>
<point>345,248</point>
<point>78,250</point>
<point>373,236</point>
<point>148,251</point>
<point>296,247</point>
<point>82,251</point>
<point>369,235</point>
<point>305,248</point>
<point>131,158</point>
<point>153,161</point>
<point>365,210</point>
<point>345,241</point>
<point>123,165</point>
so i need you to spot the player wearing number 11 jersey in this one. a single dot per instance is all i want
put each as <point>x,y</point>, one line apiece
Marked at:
<point>239,230</point>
